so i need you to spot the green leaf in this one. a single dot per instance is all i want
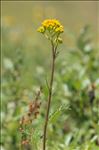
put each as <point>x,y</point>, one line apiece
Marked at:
<point>54,116</point>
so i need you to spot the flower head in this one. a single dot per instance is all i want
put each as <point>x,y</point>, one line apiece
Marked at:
<point>51,25</point>
<point>59,29</point>
<point>41,29</point>
<point>52,28</point>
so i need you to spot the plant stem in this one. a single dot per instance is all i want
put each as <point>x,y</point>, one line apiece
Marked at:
<point>49,96</point>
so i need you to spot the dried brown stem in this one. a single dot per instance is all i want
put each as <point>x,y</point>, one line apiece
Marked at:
<point>49,96</point>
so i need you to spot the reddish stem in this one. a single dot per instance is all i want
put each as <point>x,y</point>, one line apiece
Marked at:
<point>49,96</point>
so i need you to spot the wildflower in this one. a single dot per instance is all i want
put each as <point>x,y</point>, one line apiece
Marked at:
<point>52,29</point>
<point>51,22</point>
<point>59,29</point>
<point>26,120</point>
<point>41,29</point>
<point>33,108</point>
<point>51,25</point>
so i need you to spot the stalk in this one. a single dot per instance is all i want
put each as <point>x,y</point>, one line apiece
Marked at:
<point>49,95</point>
<point>51,29</point>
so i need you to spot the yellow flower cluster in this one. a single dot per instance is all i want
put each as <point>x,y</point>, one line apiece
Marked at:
<point>51,22</point>
<point>51,25</point>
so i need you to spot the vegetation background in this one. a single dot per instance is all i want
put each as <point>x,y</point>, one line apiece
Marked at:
<point>26,56</point>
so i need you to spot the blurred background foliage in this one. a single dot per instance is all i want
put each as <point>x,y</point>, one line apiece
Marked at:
<point>26,56</point>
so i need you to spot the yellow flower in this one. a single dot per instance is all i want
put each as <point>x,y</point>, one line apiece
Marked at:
<point>59,29</point>
<point>51,25</point>
<point>41,29</point>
